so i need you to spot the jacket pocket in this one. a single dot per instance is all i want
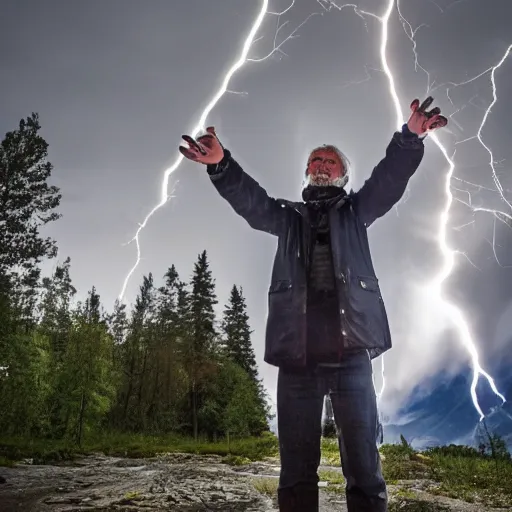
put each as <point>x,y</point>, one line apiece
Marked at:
<point>369,326</point>
<point>282,345</point>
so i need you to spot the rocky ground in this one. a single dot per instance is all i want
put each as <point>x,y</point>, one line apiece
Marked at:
<point>180,482</point>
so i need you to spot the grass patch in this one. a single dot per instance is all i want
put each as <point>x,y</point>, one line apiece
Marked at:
<point>401,463</point>
<point>474,479</point>
<point>412,505</point>
<point>235,460</point>
<point>330,452</point>
<point>133,495</point>
<point>40,451</point>
<point>266,486</point>
<point>135,446</point>
<point>459,472</point>
<point>331,477</point>
<point>6,462</point>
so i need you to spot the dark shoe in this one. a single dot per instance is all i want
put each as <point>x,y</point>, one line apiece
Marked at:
<point>300,498</point>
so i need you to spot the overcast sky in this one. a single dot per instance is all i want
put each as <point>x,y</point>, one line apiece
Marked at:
<point>116,84</point>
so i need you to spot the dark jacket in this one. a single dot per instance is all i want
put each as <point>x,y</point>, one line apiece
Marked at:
<point>363,318</point>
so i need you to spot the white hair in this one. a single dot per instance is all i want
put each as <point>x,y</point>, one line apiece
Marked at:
<point>338,182</point>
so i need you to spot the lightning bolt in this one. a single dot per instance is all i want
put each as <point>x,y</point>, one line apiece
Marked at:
<point>200,126</point>
<point>435,286</point>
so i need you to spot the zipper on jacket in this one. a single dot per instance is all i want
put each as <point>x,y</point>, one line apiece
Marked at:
<point>342,295</point>
<point>341,303</point>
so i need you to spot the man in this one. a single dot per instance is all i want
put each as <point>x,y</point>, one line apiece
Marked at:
<point>326,317</point>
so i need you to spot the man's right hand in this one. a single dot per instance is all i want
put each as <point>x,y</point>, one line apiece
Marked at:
<point>206,149</point>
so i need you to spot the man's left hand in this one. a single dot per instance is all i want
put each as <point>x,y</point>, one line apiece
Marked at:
<point>423,121</point>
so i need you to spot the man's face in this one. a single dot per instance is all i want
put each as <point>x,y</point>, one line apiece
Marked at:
<point>324,166</point>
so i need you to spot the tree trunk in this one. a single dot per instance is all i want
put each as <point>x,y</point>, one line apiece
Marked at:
<point>194,411</point>
<point>130,386</point>
<point>141,381</point>
<point>81,419</point>
<point>155,402</point>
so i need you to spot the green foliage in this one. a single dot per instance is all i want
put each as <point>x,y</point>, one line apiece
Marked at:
<point>249,400</point>
<point>27,201</point>
<point>491,444</point>
<point>237,333</point>
<point>5,462</point>
<point>266,486</point>
<point>454,450</point>
<point>244,414</point>
<point>330,451</point>
<point>122,444</point>
<point>132,496</point>
<point>332,477</point>
<point>235,460</point>
<point>87,372</point>
<point>460,472</point>
<point>406,447</point>
<point>79,370</point>
<point>415,505</point>
<point>55,309</point>
<point>24,386</point>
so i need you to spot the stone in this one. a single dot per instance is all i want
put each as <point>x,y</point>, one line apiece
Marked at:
<point>179,482</point>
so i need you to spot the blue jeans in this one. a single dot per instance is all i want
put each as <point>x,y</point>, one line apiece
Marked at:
<point>300,398</point>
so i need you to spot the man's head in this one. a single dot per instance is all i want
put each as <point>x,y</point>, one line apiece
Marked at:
<point>327,166</point>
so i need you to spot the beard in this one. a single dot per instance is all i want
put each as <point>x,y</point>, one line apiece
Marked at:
<point>323,180</point>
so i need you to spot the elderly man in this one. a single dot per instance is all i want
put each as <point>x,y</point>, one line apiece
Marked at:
<point>326,317</point>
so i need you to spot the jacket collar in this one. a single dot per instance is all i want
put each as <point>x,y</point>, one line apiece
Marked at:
<point>324,197</point>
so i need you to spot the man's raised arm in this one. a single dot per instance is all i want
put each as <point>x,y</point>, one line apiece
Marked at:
<point>242,192</point>
<point>388,181</point>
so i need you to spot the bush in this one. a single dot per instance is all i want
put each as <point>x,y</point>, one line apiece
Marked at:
<point>137,446</point>
<point>454,450</point>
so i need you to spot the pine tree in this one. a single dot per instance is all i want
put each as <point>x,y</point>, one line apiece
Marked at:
<point>135,357</point>
<point>237,334</point>
<point>118,323</point>
<point>202,303</point>
<point>168,383</point>
<point>27,202</point>
<point>239,349</point>
<point>201,346</point>
<point>58,292</point>
<point>231,403</point>
<point>23,297</point>
<point>244,415</point>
